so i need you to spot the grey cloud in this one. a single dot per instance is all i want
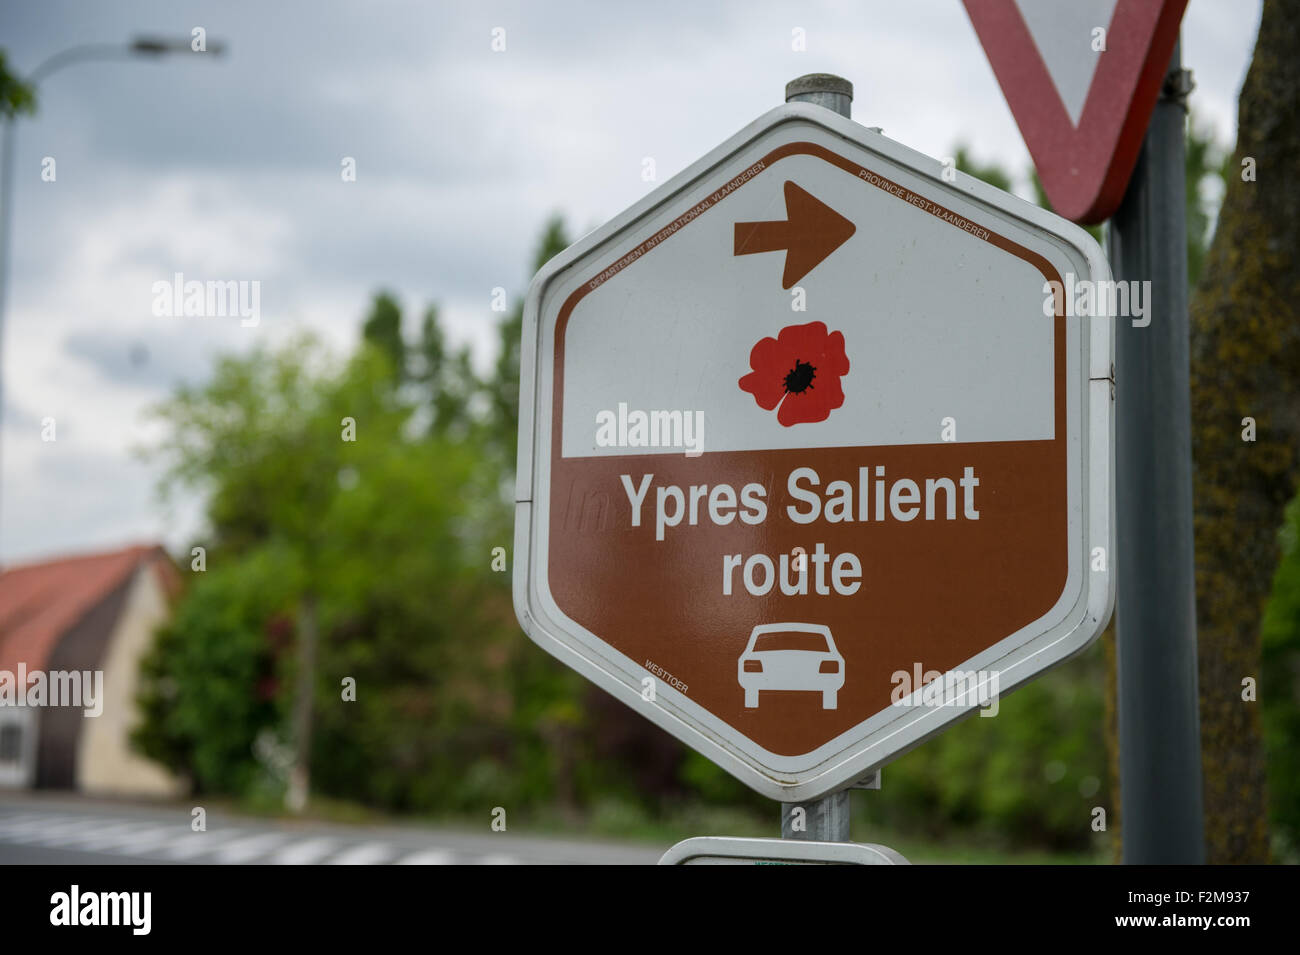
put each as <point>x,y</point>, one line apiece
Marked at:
<point>461,155</point>
<point>151,358</point>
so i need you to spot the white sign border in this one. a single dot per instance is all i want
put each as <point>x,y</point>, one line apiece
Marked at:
<point>741,851</point>
<point>792,782</point>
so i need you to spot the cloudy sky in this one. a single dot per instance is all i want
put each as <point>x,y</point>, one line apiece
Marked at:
<point>230,169</point>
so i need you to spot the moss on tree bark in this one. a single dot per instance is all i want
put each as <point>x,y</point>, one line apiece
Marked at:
<point>1245,362</point>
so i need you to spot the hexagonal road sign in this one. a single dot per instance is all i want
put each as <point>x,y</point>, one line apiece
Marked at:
<point>815,451</point>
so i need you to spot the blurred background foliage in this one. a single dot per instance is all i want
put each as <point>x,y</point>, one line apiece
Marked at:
<point>390,539</point>
<point>1279,692</point>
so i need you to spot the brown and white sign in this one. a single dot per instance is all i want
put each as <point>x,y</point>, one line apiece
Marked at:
<point>806,432</point>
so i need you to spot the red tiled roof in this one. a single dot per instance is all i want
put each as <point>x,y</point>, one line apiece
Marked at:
<point>41,602</point>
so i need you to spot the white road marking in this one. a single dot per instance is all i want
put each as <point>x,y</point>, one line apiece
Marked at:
<point>143,841</point>
<point>250,847</point>
<point>305,852</point>
<point>428,857</point>
<point>112,836</point>
<point>367,853</point>
<point>62,832</point>
<point>32,829</point>
<point>95,834</point>
<point>9,823</point>
<point>160,834</point>
<point>191,844</point>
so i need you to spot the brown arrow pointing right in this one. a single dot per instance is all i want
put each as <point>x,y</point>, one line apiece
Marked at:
<point>811,231</point>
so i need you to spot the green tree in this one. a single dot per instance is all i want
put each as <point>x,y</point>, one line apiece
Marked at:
<point>991,173</point>
<point>383,329</point>
<point>503,391</point>
<point>1278,691</point>
<point>1028,776</point>
<point>210,683</point>
<point>274,438</point>
<point>448,378</point>
<point>16,96</point>
<point>424,694</point>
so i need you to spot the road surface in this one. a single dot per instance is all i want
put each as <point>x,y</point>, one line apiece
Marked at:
<point>43,828</point>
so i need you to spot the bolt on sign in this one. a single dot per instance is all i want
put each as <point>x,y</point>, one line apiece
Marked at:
<point>813,457</point>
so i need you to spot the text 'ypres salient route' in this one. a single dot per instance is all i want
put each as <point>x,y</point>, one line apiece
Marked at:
<point>876,498</point>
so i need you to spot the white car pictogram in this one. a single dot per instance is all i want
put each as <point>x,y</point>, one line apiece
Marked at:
<point>791,656</point>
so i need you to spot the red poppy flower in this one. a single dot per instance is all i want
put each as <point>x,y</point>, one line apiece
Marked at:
<point>799,370</point>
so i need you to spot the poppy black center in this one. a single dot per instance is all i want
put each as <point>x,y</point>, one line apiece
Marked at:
<point>800,377</point>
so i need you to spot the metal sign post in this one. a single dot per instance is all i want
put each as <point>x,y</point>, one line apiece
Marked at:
<point>829,819</point>
<point>1159,728</point>
<point>823,820</point>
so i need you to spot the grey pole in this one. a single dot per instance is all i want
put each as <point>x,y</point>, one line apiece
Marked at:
<point>1159,728</point>
<point>6,221</point>
<point>825,819</point>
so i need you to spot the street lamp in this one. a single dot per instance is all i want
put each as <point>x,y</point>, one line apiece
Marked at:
<point>158,45</point>
<point>141,46</point>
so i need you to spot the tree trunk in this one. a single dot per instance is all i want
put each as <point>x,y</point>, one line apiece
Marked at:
<point>1111,731</point>
<point>1245,363</point>
<point>300,776</point>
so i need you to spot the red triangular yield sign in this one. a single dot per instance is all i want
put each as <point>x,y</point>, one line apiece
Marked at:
<point>1083,111</point>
